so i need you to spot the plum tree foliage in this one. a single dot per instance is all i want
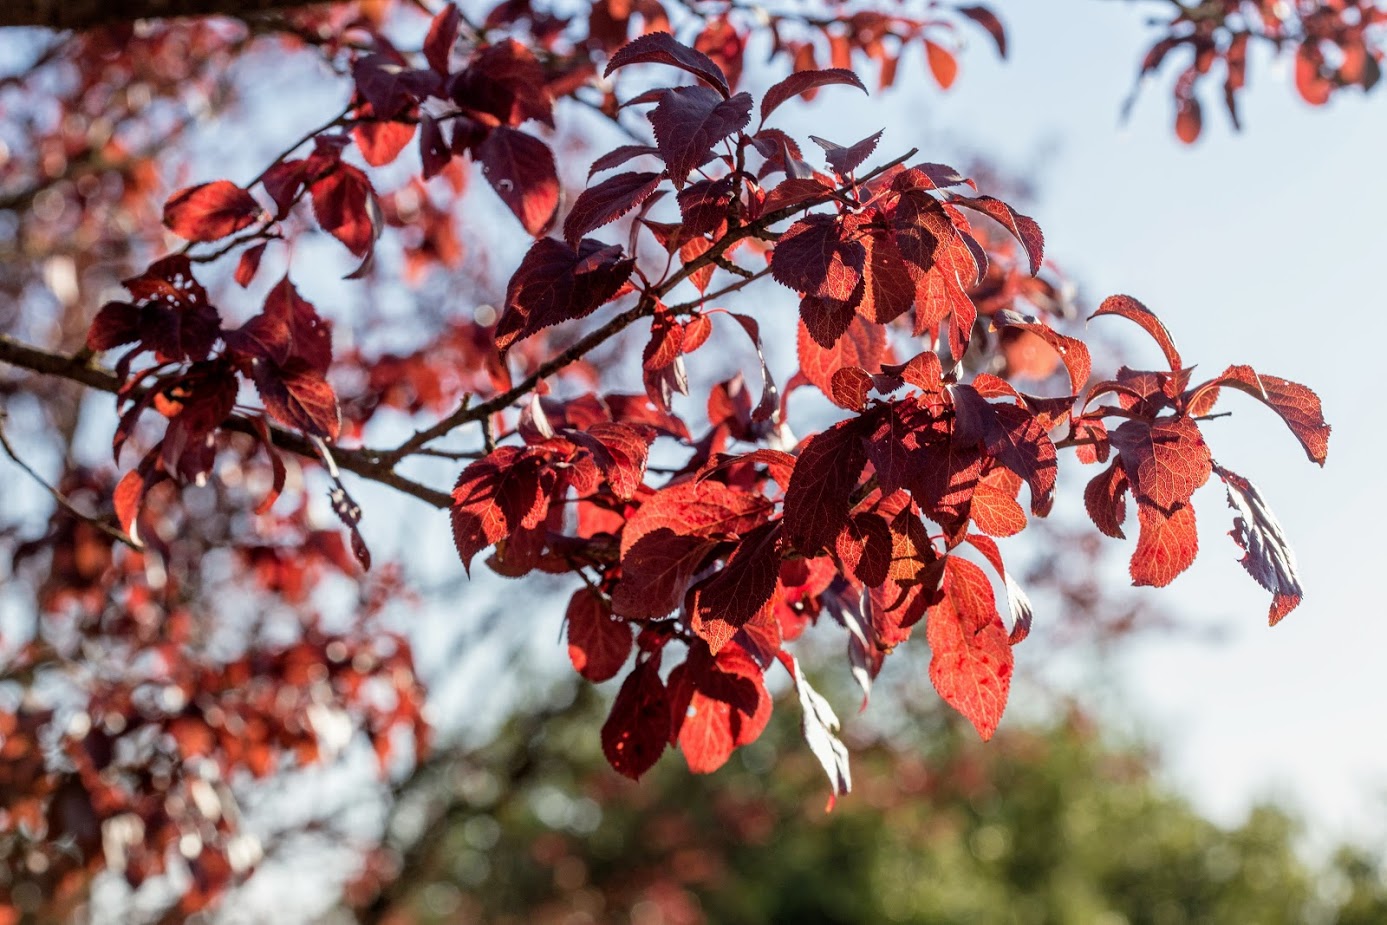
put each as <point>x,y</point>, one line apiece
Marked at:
<point>178,649</point>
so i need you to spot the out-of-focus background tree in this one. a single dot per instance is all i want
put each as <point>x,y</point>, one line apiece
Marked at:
<point>1057,822</point>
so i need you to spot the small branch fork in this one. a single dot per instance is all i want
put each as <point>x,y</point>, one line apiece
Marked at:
<point>367,463</point>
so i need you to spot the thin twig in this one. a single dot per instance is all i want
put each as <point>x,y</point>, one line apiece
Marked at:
<point>375,465</point>
<point>63,500</point>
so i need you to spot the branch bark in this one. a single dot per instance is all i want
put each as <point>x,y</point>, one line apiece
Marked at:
<point>364,462</point>
<point>85,14</point>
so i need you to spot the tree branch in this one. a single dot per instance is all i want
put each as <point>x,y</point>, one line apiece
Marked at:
<point>85,14</point>
<point>372,465</point>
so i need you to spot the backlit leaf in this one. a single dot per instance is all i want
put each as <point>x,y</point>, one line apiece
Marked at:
<point>210,211</point>
<point>521,169</point>
<point>1267,554</point>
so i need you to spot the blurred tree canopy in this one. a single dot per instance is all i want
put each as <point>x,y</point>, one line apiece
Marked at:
<point>1051,824</point>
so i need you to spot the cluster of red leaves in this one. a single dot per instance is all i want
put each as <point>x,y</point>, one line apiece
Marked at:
<point>913,322</point>
<point>137,766</point>
<point>890,255</point>
<point>1335,44</point>
<point>735,554</point>
<point>285,350</point>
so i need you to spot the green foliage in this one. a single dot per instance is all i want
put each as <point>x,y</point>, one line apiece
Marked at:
<point>1048,825</point>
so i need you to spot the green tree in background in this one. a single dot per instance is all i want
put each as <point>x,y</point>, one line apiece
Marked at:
<point>1051,824</point>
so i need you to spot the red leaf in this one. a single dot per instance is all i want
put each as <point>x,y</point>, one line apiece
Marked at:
<point>1297,405</point>
<point>716,706</point>
<point>942,64</point>
<point>116,324</point>
<point>1022,227</point>
<point>619,156</point>
<point>989,21</point>
<point>792,192</point>
<point>210,211</point>
<point>494,497</point>
<point>865,547</point>
<point>1166,545</point>
<point>1313,86</point>
<point>555,283</point>
<point>1078,363</point>
<point>283,181</point>
<point>819,496</point>
<point>1189,119</point>
<point>844,160</point>
<point>1166,461</point>
<point>970,658</point>
<point>344,204</point>
<point>434,153</point>
<point>128,495</point>
<point>249,263</point>
<point>689,121</point>
<point>297,395</point>
<point>697,330</point>
<point>521,169</point>
<point>994,508</point>
<point>390,86</point>
<point>665,542</point>
<point>381,142</point>
<point>635,733</point>
<point>504,84</point>
<point>608,201</point>
<point>661,48</point>
<point>173,318</point>
<point>802,82</point>
<point>620,451</point>
<point>704,204</point>
<point>814,259</point>
<point>1013,436</point>
<point>826,320</point>
<point>1129,308</point>
<point>656,570</point>
<point>767,407</point>
<point>287,328</point>
<point>443,34</point>
<point>863,346</point>
<point>1018,604</point>
<point>1103,498</point>
<point>1267,554</point>
<point>597,644</point>
<point>889,288</point>
<point>734,595</point>
<point>278,473</point>
<point>850,388</point>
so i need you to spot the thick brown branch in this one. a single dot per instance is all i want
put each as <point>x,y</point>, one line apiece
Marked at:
<point>84,14</point>
<point>363,462</point>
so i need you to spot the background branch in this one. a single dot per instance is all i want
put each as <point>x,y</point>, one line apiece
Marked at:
<point>367,463</point>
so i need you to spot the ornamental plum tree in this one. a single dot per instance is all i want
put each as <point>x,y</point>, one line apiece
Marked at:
<point>179,645</point>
